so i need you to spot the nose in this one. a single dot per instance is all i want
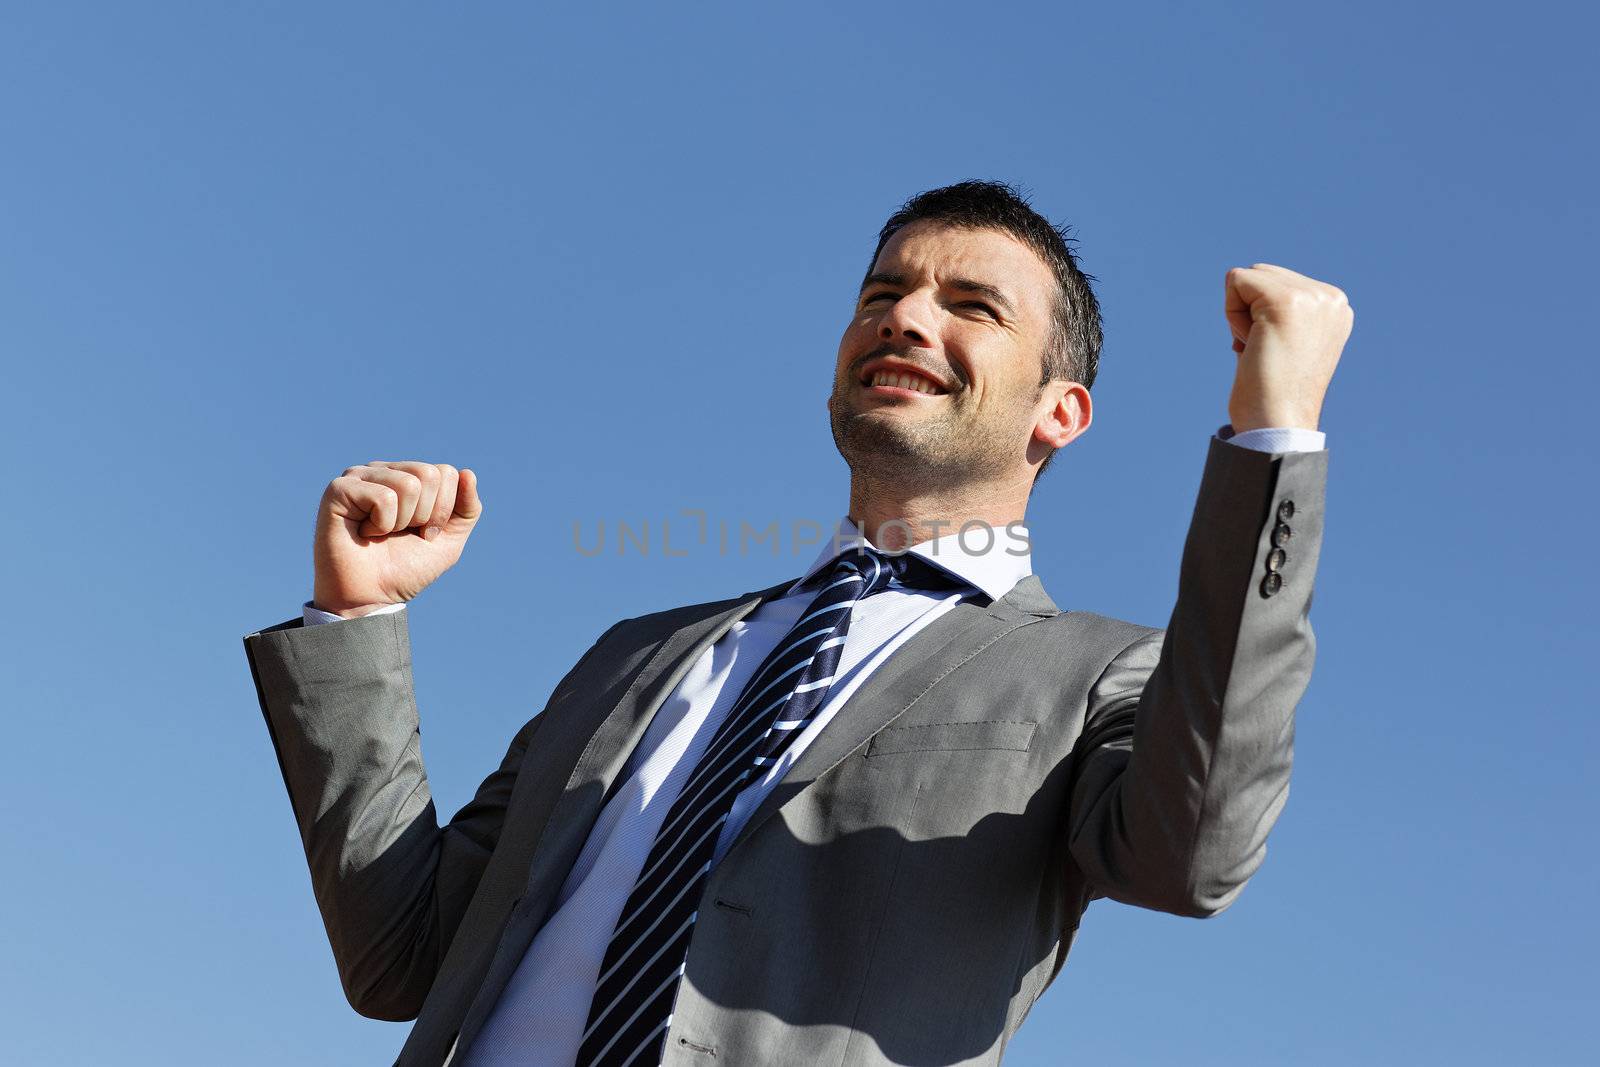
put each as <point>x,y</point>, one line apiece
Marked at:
<point>907,319</point>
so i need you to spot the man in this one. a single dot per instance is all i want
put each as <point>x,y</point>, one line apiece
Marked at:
<point>852,818</point>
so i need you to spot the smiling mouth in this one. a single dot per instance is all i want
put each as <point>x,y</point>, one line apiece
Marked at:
<point>895,382</point>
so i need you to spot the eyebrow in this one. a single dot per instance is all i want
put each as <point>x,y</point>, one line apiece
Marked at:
<point>984,290</point>
<point>879,278</point>
<point>966,285</point>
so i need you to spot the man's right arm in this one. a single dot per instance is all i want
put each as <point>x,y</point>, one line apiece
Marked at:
<point>391,883</point>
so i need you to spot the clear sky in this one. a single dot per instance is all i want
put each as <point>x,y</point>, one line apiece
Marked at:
<point>604,258</point>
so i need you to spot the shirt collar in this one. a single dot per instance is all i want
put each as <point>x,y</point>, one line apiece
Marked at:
<point>993,559</point>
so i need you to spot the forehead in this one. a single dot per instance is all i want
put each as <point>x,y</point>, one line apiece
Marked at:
<point>940,252</point>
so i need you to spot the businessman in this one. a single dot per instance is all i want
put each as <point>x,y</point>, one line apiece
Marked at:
<point>854,817</point>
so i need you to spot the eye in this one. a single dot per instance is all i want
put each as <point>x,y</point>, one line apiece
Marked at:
<point>981,306</point>
<point>877,296</point>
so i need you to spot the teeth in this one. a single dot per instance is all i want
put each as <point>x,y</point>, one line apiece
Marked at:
<point>905,381</point>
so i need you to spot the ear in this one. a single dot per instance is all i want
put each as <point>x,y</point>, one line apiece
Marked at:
<point>1065,413</point>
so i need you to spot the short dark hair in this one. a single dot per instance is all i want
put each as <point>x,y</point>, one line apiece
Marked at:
<point>1072,352</point>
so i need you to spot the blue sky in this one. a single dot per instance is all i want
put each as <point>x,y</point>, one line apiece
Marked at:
<point>603,257</point>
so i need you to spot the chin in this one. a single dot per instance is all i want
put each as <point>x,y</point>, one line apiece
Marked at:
<point>864,440</point>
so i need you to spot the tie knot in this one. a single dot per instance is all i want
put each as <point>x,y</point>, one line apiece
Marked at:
<point>878,568</point>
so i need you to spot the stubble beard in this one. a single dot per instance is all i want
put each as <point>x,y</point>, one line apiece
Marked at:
<point>927,452</point>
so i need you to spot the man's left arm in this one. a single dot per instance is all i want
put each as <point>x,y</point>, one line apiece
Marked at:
<point>1184,762</point>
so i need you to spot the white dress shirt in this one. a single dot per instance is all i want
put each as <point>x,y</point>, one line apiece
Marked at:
<point>541,1014</point>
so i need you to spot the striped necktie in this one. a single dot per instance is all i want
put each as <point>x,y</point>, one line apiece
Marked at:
<point>644,962</point>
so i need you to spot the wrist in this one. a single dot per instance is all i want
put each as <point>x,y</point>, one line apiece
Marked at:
<point>1244,421</point>
<point>349,611</point>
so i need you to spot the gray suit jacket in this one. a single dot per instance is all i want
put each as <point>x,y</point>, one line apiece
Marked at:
<point>911,887</point>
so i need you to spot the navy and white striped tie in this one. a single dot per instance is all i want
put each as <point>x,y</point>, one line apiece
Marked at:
<point>639,977</point>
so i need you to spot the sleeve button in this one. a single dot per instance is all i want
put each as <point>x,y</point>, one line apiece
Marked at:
<point>1286,511</point>
<point>1281,534</point>
<point>1271,583</point>
<point>1276,559</point>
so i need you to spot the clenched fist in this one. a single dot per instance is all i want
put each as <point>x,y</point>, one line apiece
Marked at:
<point>1288,331</point>
<point>385,531</point>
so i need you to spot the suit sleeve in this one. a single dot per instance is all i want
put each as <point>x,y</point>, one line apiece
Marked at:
<point>1183,765</point>
<point>391,883</point>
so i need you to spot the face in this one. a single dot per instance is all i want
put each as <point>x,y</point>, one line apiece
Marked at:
<point>937,379</point>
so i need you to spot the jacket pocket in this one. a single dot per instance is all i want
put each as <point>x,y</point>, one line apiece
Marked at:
<point>1014,735</point>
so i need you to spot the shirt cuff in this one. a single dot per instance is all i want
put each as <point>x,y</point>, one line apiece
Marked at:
<point>1275,438</point>
<point>316,616</point>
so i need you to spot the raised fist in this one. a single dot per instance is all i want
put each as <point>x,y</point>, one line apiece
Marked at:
<point>385,531</point>
<point>1289,331</point>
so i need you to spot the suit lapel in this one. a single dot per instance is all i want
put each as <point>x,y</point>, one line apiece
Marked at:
<point>544,833</point>
<point>609,737</point>
<point>889,691</point>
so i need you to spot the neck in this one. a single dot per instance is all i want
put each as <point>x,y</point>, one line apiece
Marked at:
<point>894,515</point>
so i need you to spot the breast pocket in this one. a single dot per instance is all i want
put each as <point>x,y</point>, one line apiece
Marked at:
<point>1004,734</point>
